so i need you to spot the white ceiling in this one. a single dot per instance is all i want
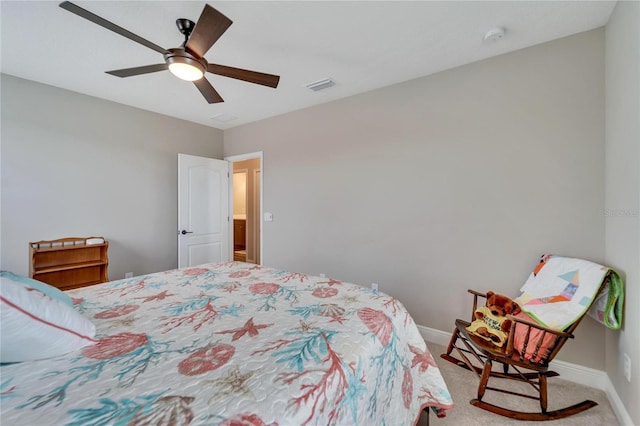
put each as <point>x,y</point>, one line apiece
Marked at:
<point>362,45</point>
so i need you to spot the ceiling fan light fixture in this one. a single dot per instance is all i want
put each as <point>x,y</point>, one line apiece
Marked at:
<point>185,68</point>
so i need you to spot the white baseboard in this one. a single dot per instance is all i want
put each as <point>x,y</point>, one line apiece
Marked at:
<point>436,336</point>
<point>624,419</point>
<point>572,372</point>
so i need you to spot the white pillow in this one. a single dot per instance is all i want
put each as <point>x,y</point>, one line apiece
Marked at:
<point>45,288</point>
<point>36,326</point>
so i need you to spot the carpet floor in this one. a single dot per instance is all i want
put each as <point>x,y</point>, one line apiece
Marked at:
<point>463,385</point>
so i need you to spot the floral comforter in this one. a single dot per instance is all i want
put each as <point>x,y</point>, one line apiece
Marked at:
<point>232,344</point>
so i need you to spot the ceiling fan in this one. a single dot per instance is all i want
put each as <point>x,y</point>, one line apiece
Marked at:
<point>187,61</point>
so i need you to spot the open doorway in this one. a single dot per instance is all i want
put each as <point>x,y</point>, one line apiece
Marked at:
<point>246,197</point>
<point>240,192</point>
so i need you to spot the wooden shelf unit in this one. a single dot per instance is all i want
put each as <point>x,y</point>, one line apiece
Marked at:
<point>69,263</point>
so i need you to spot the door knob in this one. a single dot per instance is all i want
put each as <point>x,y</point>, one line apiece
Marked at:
<point>185,232</point>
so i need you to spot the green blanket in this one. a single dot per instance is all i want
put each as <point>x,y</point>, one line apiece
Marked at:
<point>607,309</point>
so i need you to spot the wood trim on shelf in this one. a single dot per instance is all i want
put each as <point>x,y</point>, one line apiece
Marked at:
<point>68,266</point>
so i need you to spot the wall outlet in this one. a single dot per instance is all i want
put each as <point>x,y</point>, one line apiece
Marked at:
<point>128,275</point>
<point>374,286</point>
<point>627,367</point>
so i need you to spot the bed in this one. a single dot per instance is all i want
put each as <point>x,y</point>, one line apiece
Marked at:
<point>232,344</point>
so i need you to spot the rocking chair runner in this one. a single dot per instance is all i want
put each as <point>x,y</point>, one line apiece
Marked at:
<point>543,342</point>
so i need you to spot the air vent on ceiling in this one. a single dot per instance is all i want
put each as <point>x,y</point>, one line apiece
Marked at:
<point>224,118</point>
<point>325,83</point>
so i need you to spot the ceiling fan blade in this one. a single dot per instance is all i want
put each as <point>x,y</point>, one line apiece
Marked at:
<point>146,69</point>
<point>110,26</point>
<point>207,90</point>
<point>210,26</point>
<point>245,75</point>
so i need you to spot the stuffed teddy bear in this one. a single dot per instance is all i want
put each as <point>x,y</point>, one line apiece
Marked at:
<point>490,322</point>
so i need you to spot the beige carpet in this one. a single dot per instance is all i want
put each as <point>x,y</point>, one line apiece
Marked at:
<point>463,385</point>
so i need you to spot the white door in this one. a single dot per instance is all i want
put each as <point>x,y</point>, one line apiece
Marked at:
<point>203,210</point>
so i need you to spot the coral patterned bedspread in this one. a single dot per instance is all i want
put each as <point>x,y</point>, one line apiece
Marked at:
<point>232,344</point>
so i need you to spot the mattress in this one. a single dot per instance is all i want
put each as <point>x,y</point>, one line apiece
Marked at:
<point>232,343</point>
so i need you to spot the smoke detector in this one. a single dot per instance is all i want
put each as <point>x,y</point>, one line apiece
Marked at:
<point>494,34</point>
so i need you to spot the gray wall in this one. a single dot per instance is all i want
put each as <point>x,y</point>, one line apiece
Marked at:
<point>457,180</point>
<point>623,191</point>
<point>74,165</point>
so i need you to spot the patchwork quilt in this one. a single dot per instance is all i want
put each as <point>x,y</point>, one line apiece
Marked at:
<point>232,344</point>
<point>561,289</point>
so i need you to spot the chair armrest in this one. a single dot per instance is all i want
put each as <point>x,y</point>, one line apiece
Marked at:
<point>476,294</point>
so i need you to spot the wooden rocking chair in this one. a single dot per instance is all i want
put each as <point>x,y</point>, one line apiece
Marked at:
<point>469,346</point>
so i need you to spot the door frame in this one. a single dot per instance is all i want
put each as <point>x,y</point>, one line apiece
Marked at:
<point>242,157</point>
<point>232,184</point>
